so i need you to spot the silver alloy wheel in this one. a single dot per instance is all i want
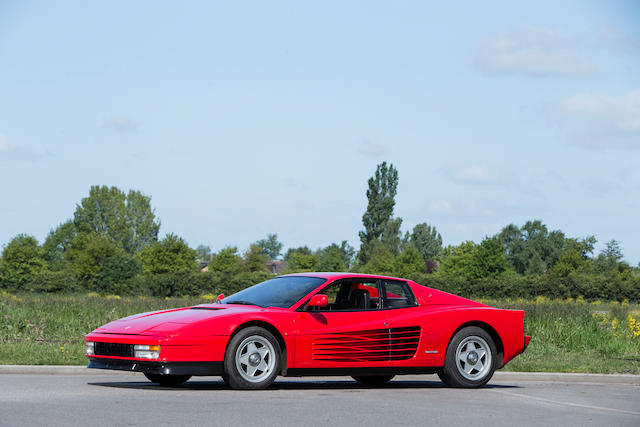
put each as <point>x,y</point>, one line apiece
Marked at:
<point>473,358</point>
<point>255,358</point>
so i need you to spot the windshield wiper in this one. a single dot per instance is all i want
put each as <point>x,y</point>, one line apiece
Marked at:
<point>242,303</point>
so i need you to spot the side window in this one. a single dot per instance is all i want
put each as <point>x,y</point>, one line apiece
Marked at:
<point>398,295</point>
<point>351,296</point>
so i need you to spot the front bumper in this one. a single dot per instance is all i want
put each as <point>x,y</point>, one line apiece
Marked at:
<point>163,368</point>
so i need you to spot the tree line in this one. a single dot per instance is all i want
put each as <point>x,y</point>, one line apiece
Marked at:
<point>111,245</point>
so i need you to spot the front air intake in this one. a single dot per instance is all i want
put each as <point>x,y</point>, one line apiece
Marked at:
<point>113,349</point>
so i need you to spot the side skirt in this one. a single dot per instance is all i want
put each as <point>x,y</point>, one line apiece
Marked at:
<point>306,372</point>
<point>163,368</point>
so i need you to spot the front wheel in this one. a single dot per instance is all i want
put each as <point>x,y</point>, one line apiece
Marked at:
<point>470,360</point>
<point>252,359</point>
<point>373,380</point>
<point>168,380</point>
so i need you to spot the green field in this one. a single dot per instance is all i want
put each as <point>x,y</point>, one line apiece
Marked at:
<point>567,336</point>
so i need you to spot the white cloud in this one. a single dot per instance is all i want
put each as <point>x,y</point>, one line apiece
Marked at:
<point>6,146</point>
<point>598,187</point>
<point>602,121</point>
<point>121,123</point>
<point>372,149</point>
<point>474,174</point>
<point>9,150</point>
<point>441,207</point>
<point>611,39</point>
<point>536,52</point>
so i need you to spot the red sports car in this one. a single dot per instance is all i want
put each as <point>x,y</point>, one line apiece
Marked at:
<point>369,327</point>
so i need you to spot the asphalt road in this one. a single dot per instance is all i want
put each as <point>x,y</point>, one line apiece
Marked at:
<point>118,399</point>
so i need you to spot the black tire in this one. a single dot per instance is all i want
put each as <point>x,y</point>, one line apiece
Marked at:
<point>168,380</point>
<point>252,360</point>
<point>373,380</point>
<point>470,360</point>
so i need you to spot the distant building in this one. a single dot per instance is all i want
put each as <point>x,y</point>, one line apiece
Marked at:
<point>277,267</point>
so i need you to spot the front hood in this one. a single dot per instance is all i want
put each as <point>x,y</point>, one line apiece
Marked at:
<point>170,322</point>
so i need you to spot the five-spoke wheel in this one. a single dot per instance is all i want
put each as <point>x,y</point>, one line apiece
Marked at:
<point>252,360</point>
<point>470,360</point>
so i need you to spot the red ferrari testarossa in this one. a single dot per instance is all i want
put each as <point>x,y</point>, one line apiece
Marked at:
<point>369,327</point>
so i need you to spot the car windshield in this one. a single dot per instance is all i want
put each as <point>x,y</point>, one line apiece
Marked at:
<point>279,292</point>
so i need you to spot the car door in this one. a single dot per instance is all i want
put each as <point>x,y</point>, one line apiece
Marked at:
<point>401,317</point>
<point>349,332</point>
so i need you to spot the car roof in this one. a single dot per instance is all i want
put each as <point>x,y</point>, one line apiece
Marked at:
<point>336,275</point>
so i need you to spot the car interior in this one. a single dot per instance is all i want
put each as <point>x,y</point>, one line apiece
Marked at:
<point>350,296</point>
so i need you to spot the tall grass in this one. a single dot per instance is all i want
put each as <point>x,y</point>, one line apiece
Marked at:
<point>567,335</point>
<point>575,336</point>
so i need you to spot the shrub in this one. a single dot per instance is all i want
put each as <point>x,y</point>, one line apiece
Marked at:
<point>63,281</point>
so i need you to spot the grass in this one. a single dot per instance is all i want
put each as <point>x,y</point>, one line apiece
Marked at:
<point>567,336</point>
<point>575,336</point>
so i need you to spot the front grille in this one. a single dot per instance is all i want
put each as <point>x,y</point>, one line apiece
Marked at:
<point>113,349</point>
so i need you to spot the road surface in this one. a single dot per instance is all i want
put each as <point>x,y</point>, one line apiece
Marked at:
<point>126,399</point>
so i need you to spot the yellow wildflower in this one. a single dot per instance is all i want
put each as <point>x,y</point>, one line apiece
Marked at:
<point>634,326</point>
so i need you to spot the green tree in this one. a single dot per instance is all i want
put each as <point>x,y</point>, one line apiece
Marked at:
<point>169,255</point>
<point>57,243</point>
<point>141,219</point>
<point>270,246</point>
<point>348,252</point>
<point>583,246</point>
<point>613,250</point>
<point>302,262</point>
<point>381,201</point>
<point>301,259</point>
<point>331,258</point>
<point>203,254</point>
<point>87,255</point>
<point>127,220</point>
<point>609,259</point>
<point>570,261</point>
<point>532,249</point>
<point>304,250</point>
<point>426,240</point>
<point>409,262</point>
<point>21,259</point>
<point>255,259</point>
<point>381,261</point>
<point>391,236</point>
<point>116,271</point>
<point>488,259</point>
<point>458,260</point>
<point>227,261</point>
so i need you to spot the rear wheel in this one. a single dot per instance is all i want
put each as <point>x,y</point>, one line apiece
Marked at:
<point>168,380</point>
<point>252,359</point>
<point>373,380</point>
<point>470,360</point>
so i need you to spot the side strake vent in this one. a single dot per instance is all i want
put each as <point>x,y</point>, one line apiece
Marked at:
<point>375,345</point>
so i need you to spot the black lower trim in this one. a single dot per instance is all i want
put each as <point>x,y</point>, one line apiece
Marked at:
<point>305,372</point>
<point>163,368</point>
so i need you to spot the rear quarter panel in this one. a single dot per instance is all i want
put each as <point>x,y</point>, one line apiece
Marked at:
<point>440,322</point>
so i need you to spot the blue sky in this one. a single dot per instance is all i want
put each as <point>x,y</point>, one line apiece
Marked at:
<point>242,119</point>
